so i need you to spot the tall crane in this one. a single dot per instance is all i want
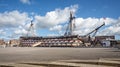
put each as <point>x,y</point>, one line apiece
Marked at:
<point>95,30</point>
<point>93,41</point>
<point>70,27</point>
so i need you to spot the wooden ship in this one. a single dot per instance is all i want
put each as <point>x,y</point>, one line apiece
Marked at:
<point>67,40</point>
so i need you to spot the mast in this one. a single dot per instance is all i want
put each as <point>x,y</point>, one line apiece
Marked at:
<point>31,30</point>
<point>70,27</point>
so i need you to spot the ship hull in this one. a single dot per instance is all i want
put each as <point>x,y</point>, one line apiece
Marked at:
<point>56,41</point>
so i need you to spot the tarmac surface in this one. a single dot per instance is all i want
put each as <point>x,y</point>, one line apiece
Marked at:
<point>26,55</point>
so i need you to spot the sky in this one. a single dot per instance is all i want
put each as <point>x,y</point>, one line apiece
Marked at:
<point>50,17</point>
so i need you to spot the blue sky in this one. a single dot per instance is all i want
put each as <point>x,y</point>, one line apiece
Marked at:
<point>92,8</point>
<point>86,11</point>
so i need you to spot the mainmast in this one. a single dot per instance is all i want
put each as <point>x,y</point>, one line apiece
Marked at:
<point>70,27</point>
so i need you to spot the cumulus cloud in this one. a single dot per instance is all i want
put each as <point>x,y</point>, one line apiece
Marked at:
<point>17,23</point>
<point>14,22</point>
<point>112,29</point>
<point>20,31</point>
<point>86,25</point>
<point>2,32</point>
<point>13,19</point>
<point>57,28</point>
<point>55,21</point>
<point>25,1</point>
<point>53,18</point>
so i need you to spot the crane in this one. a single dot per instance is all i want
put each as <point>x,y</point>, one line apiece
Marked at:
<point>93,41</point>
<point>95,30</point>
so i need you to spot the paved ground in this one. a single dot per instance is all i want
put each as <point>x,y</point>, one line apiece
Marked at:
<point>38,54</point>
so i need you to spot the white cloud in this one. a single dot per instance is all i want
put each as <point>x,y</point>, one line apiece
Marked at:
<point>2,32</point>
<point>86,25</point>
<point>20,32</point>
<point>25,1</point>
<point>13,19</point>
<point>56,28</point>
<point>14,22</point>
<point>53,18</point>
<point>54,21</point>
<point>17,23</point>
<point>112,29</point>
